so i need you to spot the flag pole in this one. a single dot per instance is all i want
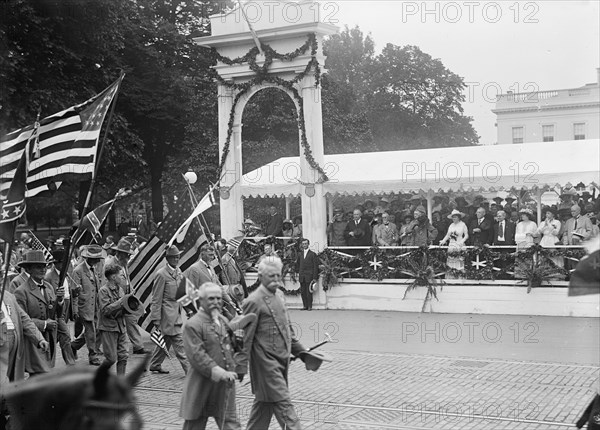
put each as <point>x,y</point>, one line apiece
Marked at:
<point>88,198</point>
<point>6,266</point>
<point>204,225</point>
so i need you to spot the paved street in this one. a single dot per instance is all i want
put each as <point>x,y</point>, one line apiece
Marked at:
<point>423,371</point>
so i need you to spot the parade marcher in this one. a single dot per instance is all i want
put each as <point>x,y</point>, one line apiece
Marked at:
<point>111,322</point>
<point>201,272</point>
<point>233,275</point>
<point>307,267</point>
<point>123,254</point>
<point>85,308</point>
<point>52,276</point>
<point>268,345</point>
<point>165,311</point>
<point>209,387</point>
<point>16,328</point>
<point>39,300</point>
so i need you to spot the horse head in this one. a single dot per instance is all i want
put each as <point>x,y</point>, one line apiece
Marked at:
<point>75,399</point>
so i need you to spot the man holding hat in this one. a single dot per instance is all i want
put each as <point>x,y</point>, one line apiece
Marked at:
<point>577,228</point>
<point>268,345</point>
<point>85,308</point>
<point>209,387</point>
<point>165,311</point>
<point>123,253</point>
<point>38,299</point>
<point>307,267</point>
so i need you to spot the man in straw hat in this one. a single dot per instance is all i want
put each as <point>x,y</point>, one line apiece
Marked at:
<point>209,387</point>
<point>123,252</point>
<point>165,311</point>
<point>268,345</point>
<point>85,307</point>
<point>39,300</point>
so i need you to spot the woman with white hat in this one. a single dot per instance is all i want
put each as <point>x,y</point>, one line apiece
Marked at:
<point>457,235</point>
<point>526,229</point>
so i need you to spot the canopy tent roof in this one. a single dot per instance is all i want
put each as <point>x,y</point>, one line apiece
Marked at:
<point>473,168</point>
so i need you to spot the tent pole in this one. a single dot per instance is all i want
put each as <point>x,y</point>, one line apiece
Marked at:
<point>538,200</point>
<point>429,198</point>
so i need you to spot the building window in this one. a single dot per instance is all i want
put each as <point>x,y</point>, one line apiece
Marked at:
<point>548,133</point>
<point>517,134</point>
<point>579,131</point>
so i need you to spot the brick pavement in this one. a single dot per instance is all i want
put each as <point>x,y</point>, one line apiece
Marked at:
<point>397,391</point>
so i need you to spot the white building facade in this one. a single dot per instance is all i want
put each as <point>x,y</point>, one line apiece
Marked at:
<point>549,116</point>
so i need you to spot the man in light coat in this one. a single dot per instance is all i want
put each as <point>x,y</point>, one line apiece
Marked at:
<point>165,311</point>
<point>268,344</point>
<point>209,387</point>
<point>85,307</point>
<point>38,299</point>
<point>577,229</point>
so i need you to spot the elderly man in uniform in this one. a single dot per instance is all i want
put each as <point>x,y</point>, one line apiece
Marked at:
<point>123,252</point>
<point>85,308</point>
<point>209,387</point>
<point>165,311</point>
<point>38,299</point>
<point>16,328</point>
<point>268,345</point>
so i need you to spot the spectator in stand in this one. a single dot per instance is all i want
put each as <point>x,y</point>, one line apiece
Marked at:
<point>335,229</point>
<point>514,216</point>
<point>288,231</point>
<point>595,228</point>
<point>297,226</point>
<point>383,206</point>
<point>481,229</point>
<point>404,237</point>
<point>124,227</point>
<point>420,231</point>
<point>577,229</point>
<point>376,221</point>
<point>440,224</point>
<point>549,229</point>
<point>456,237</point>
<point>526,229</point>
<point>358,232</point>
<point>275,223</point>
<point>386,233</point>
<point>143,229</point>
<point>504,230</point>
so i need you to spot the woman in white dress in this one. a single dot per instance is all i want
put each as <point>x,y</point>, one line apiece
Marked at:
<point>549,229</point>
<point>526,229</point>
<point>457,235</point>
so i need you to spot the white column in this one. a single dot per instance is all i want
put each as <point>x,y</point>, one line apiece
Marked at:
<point>313,208</point>
<point>231,208</point>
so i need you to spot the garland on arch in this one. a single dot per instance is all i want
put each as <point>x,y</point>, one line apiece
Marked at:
<point>262,76</point>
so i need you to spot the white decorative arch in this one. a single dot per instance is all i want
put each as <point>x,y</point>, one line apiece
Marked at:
<point>233,39</point>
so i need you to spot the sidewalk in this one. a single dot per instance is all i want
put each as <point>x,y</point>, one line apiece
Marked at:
<point>423,371</point>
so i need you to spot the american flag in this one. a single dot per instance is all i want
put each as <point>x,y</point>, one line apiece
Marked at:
<point>151,258</point>
<point>157,337</point>
<point>66,143</point>
<point>36,244</point>
<point>236,242</point>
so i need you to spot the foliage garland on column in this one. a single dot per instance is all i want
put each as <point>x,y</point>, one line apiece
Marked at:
<point>262,76</point>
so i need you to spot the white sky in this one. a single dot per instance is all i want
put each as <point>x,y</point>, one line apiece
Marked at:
<point>552,44</point>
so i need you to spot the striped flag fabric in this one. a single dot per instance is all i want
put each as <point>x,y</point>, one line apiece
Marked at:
<point>37,244</point>
<point>206,203</point>
<point>236,242</point>
<point>157,337</point>
<point>66,142</point>
<point>92,222</point>
<point>13,207</point>
<point>151,258</point>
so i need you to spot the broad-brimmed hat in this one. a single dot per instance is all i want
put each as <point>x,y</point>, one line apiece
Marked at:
<point>173,251</point>
<point>92,251</point>
<point>384,199</point>
<point>416,197</point>
<point>131,304</point>
<point>123,246</point>
<point>314,359</point>
<point>313,286</point>
<point>240,322</point>
<point>288,221</point>
<point>338,211</point>
<point>456,212</point>
<point>498,200</point>
<point>236,291</point>
<point>550,209</point>
<point>526,211</point>
<point>34,256</point>
<point>107,245</point>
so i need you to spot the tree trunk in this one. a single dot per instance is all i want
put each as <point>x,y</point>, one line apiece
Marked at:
<point>157,197</point>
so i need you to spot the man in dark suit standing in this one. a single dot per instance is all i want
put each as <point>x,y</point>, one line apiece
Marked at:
<point>481,229</point>
<point>504,230</point>
<point>358,231</point>
<point>275,225</point>
<point>307,267</point>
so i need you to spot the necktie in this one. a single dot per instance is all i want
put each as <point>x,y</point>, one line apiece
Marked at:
<point>575,228</point>
<point>43,291</point>
<point>501,235</point>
